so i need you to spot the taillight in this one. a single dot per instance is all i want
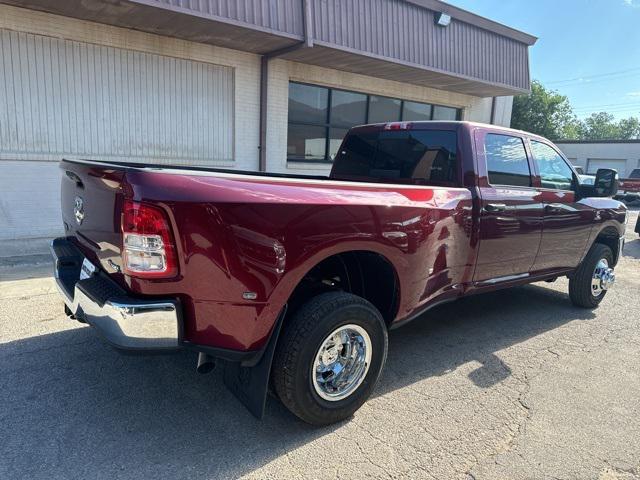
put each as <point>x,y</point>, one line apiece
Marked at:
<point>148,249</point>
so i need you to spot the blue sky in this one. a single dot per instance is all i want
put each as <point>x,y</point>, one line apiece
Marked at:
<point>588,50</point>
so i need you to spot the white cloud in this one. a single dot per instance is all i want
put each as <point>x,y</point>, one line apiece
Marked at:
<point>634,94</point>
<point>632,3</point>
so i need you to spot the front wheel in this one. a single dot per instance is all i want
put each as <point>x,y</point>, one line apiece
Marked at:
<point>329,357</point>
<point>592,279</point>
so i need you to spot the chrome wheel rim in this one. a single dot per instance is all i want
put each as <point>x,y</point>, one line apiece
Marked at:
<point>341,363</point>
<point>603,277</point>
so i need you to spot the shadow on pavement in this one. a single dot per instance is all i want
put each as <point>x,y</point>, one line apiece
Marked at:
<point>632,249</point>
<point>70,406</point>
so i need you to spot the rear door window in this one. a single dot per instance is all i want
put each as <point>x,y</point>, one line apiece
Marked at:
<point>404,156</point>
<point>507,162</point>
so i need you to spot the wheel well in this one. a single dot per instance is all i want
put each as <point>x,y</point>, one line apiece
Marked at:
<point>609,237</point>
<point>366,274</point>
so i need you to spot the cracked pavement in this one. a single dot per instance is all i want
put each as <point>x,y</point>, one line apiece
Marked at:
<point>515,384</point>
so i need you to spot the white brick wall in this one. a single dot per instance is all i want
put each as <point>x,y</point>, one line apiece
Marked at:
<point>29,196</point>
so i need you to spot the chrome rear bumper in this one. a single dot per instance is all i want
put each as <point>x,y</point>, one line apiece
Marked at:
<point>150,326</point>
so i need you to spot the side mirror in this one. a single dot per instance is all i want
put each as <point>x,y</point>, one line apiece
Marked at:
<point>606,182</point>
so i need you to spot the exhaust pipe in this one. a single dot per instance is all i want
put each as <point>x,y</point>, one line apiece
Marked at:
<point>206,363</point>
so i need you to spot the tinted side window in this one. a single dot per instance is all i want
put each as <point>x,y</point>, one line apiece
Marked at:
<point>554,171</point>
<point>406,156</point>
<point>506,160</point>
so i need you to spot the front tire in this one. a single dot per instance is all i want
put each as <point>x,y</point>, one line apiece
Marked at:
<point>585,290</point>
<point>329,357</point>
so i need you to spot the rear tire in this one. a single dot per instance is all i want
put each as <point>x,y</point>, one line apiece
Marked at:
<point>308,346</point>
<point>581,289</point>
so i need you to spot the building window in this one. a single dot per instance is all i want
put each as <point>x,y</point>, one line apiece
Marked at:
<point>445,113</point>
<point>320,117</point>
<point>384,109</point>
<point>414,111</point>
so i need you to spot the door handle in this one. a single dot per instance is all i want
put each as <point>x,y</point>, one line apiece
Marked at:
<point>553,208</point>
<point>495,207</point>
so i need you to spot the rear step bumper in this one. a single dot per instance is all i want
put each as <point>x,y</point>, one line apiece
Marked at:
<point>127,323</point>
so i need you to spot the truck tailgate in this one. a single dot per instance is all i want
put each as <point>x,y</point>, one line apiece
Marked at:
<point>92,198</point>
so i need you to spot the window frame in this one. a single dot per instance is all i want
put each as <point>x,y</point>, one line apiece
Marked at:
<point>534,163</point>
<point>525,146</point>
<point>327,125</point>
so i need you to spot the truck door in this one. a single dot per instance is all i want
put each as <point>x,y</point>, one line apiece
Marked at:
<point>567,222</point>
<point>510,208</point>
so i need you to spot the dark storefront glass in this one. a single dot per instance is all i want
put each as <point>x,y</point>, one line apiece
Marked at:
<point>348,108</point>
<point>384,109</point>
<point>320,117</point>
<point>306,143</point>
<point>414,111</point>
<point>307,103</point>
<point>445,113</point>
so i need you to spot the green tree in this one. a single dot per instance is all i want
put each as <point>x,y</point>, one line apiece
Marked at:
<point>549,113</point>
<point>572,130</point>
<point>601,126</point>
<point>545,112</point>
<point>629,128</point>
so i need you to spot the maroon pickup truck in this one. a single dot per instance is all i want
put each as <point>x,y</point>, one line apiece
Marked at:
<point>629,188</point>
<point>292,282</point>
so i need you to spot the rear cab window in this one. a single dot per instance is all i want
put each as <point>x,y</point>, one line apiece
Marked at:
<point>412,156</point>
<point>507,162</point>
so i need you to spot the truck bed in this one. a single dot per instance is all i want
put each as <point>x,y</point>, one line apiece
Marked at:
<point>239,232</point>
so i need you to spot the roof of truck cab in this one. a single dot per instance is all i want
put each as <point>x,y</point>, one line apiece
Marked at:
<point>455,124</point>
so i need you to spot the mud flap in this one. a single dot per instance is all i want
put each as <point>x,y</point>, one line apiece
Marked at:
<point>250,385</point>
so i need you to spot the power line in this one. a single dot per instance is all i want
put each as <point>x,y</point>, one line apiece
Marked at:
<point>599,75</point>
<point>629,113</point>
<point>607,109</point>
<point>598,105</point>
<point>588,82</point>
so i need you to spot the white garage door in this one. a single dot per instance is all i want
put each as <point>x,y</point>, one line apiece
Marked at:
<point>593,164</point>
<point>60,97</point>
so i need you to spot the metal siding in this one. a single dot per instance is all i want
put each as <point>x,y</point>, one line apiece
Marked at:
<point>60,97</point>
<point>279,15</point>
<point>401,31</point>
<point>472,55</point>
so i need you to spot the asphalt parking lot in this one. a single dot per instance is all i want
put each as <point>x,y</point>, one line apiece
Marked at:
<point>513,384</point>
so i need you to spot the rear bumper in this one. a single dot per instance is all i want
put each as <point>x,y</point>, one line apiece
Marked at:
<point>136,325</point>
